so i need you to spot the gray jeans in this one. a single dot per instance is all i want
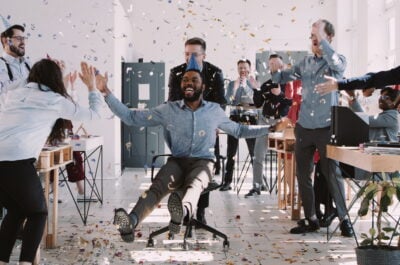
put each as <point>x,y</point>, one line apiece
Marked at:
<point>307,141</point>
<point>260,150</point>
<point>188,176</point>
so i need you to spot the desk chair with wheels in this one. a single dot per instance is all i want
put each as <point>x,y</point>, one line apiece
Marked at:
<point>193,221</point>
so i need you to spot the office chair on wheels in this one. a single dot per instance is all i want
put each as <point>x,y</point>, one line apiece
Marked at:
<point>192,221</point>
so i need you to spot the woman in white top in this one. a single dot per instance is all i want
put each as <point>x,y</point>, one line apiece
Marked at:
<point>28,118</point>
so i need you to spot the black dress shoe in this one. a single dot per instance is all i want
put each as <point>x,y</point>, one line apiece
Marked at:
<point>346,228</point>
<point>252,192</point>
<point>326,220</point>
<point>225,187</point>
<point>305,226</point>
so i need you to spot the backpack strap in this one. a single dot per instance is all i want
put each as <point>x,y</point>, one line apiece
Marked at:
<point>10,75</point>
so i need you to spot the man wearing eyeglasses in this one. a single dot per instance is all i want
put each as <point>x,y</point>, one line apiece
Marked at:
<point>14,67</point>
<point>214,91</point>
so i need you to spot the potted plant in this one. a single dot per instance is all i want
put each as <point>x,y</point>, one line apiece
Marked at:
<point>377,247</point>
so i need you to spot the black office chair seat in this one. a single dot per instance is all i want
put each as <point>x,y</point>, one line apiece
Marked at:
<point>213,185</point>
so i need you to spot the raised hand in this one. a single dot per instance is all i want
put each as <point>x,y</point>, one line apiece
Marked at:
<point>282,124</point>
<point>253,82</point>
<point>87,75</point>
<point>329,86</point>
<point>72,78</point>
<point>101,83</point>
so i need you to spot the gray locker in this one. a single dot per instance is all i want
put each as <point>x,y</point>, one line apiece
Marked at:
<point>143,86</point>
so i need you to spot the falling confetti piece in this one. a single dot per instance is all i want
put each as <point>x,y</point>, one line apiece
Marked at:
<point>293,8</point>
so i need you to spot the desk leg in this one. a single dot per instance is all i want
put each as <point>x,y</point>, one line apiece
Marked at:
<point>281,176</point>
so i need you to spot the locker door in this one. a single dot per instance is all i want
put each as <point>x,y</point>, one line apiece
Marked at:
<point>143,87</point>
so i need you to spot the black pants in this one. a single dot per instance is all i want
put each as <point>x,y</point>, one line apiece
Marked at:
<point>22,195</point>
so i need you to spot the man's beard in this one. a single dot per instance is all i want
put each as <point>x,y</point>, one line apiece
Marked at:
<point>196,95</point>
<point>18,51</point>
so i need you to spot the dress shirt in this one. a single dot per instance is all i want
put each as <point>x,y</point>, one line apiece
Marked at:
<point>19,71</point>
<point>29,115</point>
<point>187,133</point>
<point>315,109</point>
<point>382,127</point>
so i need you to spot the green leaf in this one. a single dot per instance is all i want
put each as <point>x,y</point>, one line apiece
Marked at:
<point>388,229</point>
<point>364,206</point>
<point>398,192</point>
<point>384,203</point>
<point>366,242</point>
<point>364,235</point>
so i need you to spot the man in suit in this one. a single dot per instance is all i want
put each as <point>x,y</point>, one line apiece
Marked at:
<point>214,91</point>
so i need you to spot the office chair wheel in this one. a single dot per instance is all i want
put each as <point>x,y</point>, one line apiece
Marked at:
<point>226,244</point>
<point>185,246</point>
<point>170,236</point>
<point>150,243</point>
<point>214,236</point>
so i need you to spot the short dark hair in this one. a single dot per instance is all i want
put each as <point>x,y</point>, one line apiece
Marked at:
<point>275,55</point>
<point>329,28</point>
<point>196,41</point>
<point>8,33</point>
<point>391,92</point>
<point>195,70</point>
<point>244,61</point>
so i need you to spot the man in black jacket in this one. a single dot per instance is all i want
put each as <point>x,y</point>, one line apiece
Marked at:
<point>214,91</point>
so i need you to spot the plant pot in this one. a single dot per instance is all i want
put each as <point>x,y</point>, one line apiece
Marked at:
<point>373,255</point>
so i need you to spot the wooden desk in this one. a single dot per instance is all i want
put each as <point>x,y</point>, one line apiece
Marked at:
<point>50,160</point>
<point>283,144</point>
<point>369,162</point>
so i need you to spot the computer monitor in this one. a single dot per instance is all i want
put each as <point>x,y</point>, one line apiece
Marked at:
<point>348,128</point>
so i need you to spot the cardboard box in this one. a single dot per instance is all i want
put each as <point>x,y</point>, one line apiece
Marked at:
<point>86,143</point>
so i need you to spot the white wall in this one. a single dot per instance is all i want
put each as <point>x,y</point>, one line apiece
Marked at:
<point>105,32</point>
<point>74,31</point>
<point>233,29</point>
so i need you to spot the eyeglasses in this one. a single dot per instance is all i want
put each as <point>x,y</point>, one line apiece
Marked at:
<point>385,97</point>
<point>20,38</point>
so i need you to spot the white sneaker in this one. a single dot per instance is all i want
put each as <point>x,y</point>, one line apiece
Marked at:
<point>83,198</point>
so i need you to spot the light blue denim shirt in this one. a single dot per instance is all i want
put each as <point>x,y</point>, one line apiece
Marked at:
<point>383,126</point>
<point>29,115</point>
<point>315,110</point>
<point>188,133</point>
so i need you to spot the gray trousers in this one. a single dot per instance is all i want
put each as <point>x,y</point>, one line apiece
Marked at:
<point>260,149</point>
<point>188,176</point>
<point>307,141</point>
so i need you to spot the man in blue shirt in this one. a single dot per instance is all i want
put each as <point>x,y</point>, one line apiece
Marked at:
<point>189,130</point>
<point>313,127</point>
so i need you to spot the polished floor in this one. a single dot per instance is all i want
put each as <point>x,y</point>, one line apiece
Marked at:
<point>257,230</point>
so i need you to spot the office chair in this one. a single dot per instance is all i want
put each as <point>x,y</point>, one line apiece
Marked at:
<point>193,221</point>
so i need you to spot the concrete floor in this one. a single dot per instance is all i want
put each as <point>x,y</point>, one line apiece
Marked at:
<point>258,232</point>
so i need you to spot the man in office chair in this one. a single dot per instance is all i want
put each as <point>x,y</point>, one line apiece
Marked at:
<point>189,130</point>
